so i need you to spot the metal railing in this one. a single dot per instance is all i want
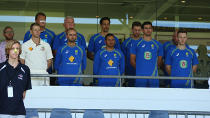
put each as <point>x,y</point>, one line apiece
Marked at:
<point>124,77</point>
<point>121,77</point>
<point>114,113</point>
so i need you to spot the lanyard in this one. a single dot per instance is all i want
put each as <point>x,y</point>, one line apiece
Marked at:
<point>11,74</point>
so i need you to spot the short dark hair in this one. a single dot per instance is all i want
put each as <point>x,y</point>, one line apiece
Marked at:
<point>7,27</point>
<point>40,14</point>
<point>136,23</point>
<point>146,23</point>
<point>109,34</point>
<point>34,24</point>
<point>181,31</point>
<point>104,18</point>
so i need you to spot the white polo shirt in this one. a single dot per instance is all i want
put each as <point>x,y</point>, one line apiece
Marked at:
<point>36,56</point>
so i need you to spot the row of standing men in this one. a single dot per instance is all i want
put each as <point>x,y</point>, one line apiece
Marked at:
<point>138,55</point>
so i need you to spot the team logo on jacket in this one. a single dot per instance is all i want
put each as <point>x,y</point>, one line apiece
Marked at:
<point>152,46</point>
<point>187,54</point>
<point>20,76</point>
<point>147,55</point>
<point>76,52</point>
<point>183,64</point>
<point>110,62</point>
<point>30,48</point>
<point>71,58</point>
<point>42,48</point>
<point>115,55</point>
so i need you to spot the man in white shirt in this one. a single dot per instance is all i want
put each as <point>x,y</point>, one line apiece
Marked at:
<point>37,55</point>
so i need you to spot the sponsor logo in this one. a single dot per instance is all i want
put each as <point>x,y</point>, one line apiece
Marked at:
<point>183,64</point>
<point>110,62</point>
<point>20,76</point>
<point>147,55</point>
<point>71,58</point>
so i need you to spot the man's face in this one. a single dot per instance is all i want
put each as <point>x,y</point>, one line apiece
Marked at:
<point>136,31</point>
<point>182,38</point>
<point>41,20</point>
<point>147,30</point>
<point>71,35</point>
<point>36,31</point>
<point>14,51</point>
<point>9,34</point>
<point>110,41</point>
<point>105,26</point>
<point>69,23</point>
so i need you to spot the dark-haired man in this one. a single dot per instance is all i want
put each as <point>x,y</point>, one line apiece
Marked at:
<point>126,46</point>
<point>97,41</point>
<point>146,56</point>
<point>109,61</point>
<point>181,62</point>
<point>166,47</point>
<point>46,35</point>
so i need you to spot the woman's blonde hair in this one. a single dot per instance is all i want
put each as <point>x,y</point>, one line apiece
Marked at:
<point>9,45</point>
